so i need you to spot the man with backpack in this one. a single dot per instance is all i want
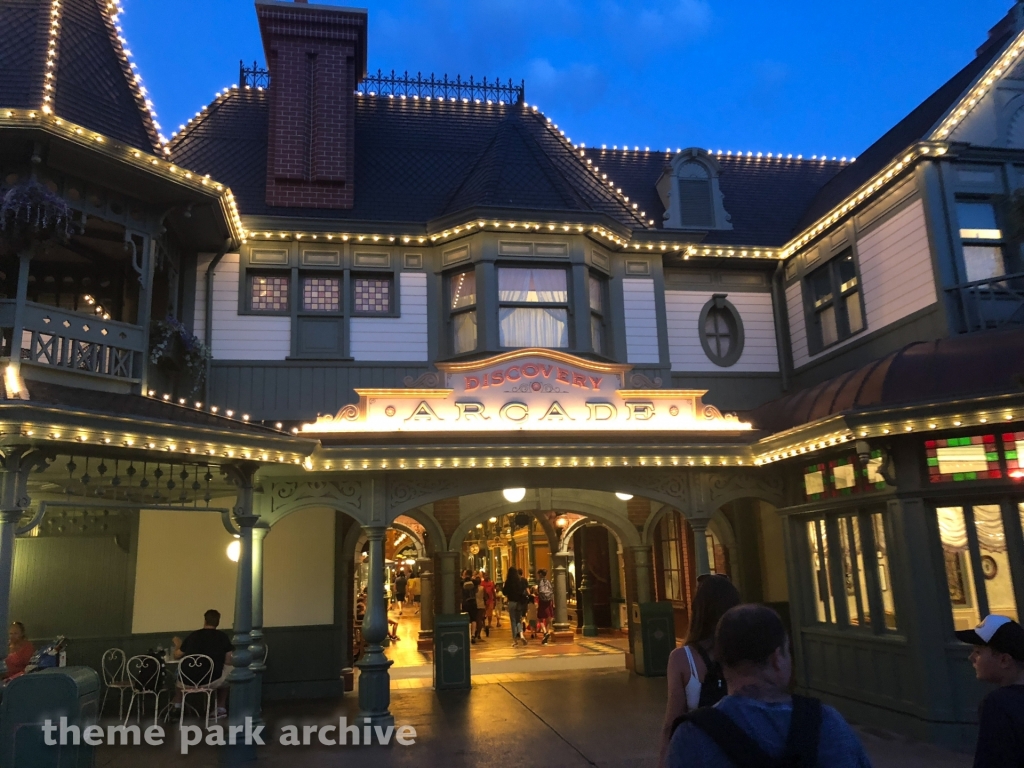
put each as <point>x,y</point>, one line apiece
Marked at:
<point>759,724</point>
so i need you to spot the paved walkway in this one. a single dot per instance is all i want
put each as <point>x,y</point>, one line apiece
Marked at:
<point>607,719</point>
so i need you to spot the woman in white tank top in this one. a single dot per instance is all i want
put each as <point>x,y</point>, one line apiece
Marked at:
<point>686,669</point>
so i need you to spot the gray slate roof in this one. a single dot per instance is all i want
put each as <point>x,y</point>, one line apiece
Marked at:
<point>92,82</point>
<point>415,161</point>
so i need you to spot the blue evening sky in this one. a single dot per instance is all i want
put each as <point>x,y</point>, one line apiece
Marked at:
<point>797,76</point>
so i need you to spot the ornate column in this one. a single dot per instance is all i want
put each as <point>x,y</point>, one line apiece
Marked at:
<point>563,633</point>
<point>641,565</point>
<point>257,646</point>
<point>374,679</point>
<point>426,637</point>
<point>242,679</point>
<point>15,465</point>
<point>699,526</point>
<point>449,563</point>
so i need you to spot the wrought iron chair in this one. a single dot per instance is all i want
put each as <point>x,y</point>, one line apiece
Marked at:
<point>112,666</point>
<point>195,677</point>
<point>145,675</point>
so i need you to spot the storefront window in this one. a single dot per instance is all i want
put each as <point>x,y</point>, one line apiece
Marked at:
<point>854,586</point>
<point>533,307</point>
<point>884,579</point>
<point>977,566</point>
<point>672,572</point>
<point>822,581</point>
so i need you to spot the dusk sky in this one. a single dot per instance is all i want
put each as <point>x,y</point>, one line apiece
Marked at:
<point>799,76</point>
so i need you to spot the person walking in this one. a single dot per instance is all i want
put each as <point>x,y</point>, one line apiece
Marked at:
<point>513,589</point>
<point>490,597</point>
<point>469,590</point>
<point>400,584</point>
<point>694,678</point>
<point>481,607</point>
<point>998,658</point>
<point>545,605</point>
<point>759,722</point>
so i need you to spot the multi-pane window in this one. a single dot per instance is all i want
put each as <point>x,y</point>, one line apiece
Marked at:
<point>462,311</point>
<point>268,293</point>
<point>371,295</point>
<point>597,315</point>
<point>850,571</point>
<point>982,240</point>
<point>718,332</point>
<point>835,301</point>
<point>669,530</point>
<point>321,294</point>
<point>974,550</point>
<point>533,307</point>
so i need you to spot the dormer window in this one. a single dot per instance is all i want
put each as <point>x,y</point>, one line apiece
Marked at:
<point>691,194</point>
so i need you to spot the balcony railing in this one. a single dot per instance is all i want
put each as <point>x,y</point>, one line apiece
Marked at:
<point>987,304</point>
<point>73,341</point>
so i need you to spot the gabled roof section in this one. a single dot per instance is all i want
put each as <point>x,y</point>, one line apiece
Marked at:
<point>527,166</point>
<point>916,126</point>
<point>415,160</point>
<point>764,196</point>
<point>66,57</point>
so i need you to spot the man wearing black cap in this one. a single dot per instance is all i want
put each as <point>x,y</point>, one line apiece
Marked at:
<point>998,657</point>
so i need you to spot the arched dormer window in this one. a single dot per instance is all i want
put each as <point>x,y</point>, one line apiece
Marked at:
<point>690,191</point>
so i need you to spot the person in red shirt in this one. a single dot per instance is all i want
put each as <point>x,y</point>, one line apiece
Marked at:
<point>19,651</point>
<point>489,598</point>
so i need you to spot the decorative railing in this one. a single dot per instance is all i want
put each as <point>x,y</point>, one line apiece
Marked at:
<point>74,341</point>
<point>420,87</point>
<point>996,302</point>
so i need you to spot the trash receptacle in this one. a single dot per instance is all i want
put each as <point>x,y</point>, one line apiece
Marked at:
<point>451,652</point>
<point>71,692</point>
<point>654,637</point>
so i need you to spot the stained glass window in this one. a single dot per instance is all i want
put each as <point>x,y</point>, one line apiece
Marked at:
<point>372,295</point>
<point>814,481</point>
<point>268,293</point>
<point>956,459</point>
<point>843,476</point>
<point>1013,446</point>
<point>321,294</point>
<point>873,470</point>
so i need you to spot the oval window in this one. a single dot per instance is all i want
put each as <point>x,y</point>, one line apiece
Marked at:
<point>721,331</point>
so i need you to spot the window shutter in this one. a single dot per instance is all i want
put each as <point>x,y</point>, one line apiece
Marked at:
<point>695,203</point>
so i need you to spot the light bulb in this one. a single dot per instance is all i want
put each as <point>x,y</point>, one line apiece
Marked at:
<point>234,550</point>
<point>514,495</point>
<point>624,496</point>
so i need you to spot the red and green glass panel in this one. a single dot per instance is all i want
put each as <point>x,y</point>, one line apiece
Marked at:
<point>843,476</point>
<point>814,481</point>
<point>956,459</point>
<point>1013,446</point>
<point>870,472</point>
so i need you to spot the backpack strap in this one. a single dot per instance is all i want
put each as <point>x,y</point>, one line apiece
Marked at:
<point>703,657</point>
<point>740,748</point>
<point>804,732</point>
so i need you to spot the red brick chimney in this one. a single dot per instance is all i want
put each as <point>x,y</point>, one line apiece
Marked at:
<point>316,55</point>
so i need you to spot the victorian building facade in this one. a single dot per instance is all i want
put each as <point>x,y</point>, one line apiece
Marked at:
<point>335,304</point>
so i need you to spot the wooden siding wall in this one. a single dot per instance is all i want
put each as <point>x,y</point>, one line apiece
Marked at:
<point>897,278</point>
<point>641,320</point>
<point>396,339</point>
<point>299,390</point>
<point>238,337</point>
<point>760,351</point>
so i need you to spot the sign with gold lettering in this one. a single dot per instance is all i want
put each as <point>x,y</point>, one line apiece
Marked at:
<point>530,389</point>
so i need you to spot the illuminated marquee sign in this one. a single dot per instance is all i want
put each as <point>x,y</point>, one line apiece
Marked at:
<point>530,389</point>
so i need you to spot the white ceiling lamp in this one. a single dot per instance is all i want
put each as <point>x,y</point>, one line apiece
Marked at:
<point>514,495</point>
<point>624,496</point>
<point>234,550</point>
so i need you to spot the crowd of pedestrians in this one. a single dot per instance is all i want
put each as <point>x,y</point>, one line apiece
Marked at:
<point>730,701</point>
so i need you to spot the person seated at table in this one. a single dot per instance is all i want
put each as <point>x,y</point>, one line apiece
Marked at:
<point>19,651</point>
<point>214,643</point>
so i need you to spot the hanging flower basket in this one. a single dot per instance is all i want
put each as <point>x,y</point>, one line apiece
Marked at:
<point>172,346</point>
<point>31,212</point>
